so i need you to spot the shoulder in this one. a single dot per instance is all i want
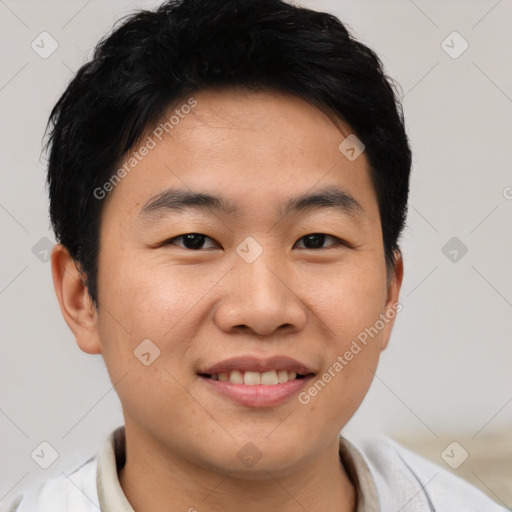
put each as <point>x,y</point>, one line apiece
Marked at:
<point>406,481</point>
<point>74,490</point>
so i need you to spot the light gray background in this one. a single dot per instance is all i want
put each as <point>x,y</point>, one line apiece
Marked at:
<point>447,369</point>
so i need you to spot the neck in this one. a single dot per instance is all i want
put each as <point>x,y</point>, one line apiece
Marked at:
<point>153,481</point>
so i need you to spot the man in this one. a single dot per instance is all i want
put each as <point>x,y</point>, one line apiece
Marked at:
<point>228,183</point>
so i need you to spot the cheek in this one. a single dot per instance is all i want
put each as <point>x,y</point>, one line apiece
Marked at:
<point>349,305</point>
<point>150,313</point>
<point>163,303</point>
<point>349,299</point>
<point>139,292</point>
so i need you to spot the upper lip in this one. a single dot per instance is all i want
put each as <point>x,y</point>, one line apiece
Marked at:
<point>256,364</point>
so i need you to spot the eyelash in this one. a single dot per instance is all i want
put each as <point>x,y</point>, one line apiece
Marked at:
<point>339,241</point>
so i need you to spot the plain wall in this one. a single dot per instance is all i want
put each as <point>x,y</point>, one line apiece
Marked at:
<point>447,369</point>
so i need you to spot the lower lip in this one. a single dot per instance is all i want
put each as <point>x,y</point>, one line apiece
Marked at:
<point>258,395</point>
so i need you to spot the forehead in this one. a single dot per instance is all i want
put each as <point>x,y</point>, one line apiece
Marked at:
<point>249,149</point>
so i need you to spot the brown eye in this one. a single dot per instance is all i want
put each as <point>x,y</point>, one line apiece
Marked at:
<point>192,241</point>
<point>317,240</point>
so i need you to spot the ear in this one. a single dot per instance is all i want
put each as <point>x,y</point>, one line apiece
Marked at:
<point>75,303</point>
<point>392,307</point>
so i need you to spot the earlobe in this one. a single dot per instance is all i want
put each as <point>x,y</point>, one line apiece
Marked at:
<point>75,303</point>
<point>392,307</point>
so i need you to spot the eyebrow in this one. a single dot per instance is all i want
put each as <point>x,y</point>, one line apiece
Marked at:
<point>331,197</point>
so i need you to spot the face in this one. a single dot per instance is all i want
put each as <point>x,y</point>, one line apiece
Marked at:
<point>261,286</point>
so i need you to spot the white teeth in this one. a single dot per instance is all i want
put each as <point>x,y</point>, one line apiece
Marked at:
<point>252,378</point>
<point>269,378</point>
<point>282,376</point>
<point>236,377</point>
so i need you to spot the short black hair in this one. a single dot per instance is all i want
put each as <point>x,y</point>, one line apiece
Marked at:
<point>155,58</point>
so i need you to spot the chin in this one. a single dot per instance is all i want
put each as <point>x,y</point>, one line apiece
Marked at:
<point>262,470</point>
<point>256,461</point>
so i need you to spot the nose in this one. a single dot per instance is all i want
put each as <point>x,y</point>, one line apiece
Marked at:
<point>261,298</point>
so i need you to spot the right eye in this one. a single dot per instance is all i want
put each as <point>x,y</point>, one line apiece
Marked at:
<point>191,241</point>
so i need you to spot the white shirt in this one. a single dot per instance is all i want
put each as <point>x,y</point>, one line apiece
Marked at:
<point>388,478</point>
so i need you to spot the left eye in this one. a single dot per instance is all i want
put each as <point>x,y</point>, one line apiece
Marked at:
<point>316,240</point>
<point>195,241</point>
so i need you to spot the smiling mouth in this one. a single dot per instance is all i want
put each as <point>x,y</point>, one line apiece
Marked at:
<point>251,378</point>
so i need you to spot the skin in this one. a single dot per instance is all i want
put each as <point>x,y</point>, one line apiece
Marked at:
<point>201,307</point>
